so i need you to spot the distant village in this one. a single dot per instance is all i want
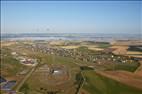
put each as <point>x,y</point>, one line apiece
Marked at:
<point>92,56</point>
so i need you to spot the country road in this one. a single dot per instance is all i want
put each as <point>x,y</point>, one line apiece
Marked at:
<point>25,78</point>
<point>139,69</point>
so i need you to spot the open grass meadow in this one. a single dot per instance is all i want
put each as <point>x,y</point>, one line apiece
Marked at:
<point>9,65</point>
<point>97,84</point>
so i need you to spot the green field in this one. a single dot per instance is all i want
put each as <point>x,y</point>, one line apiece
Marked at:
<point>97,84</point>
<point>105,45</point>
<point>131,67</point>
<point>9,65</point>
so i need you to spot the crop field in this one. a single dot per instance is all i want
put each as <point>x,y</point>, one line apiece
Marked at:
<point>97,84</point>
<point>8,63</point>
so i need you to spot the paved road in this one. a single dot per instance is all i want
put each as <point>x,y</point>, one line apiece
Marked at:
<point>25,78</point>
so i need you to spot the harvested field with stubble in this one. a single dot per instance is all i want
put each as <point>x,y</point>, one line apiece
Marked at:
<point>123,50</point>
<point>120,49</point>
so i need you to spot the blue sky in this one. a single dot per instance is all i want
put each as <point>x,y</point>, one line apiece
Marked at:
<point>71,16</point>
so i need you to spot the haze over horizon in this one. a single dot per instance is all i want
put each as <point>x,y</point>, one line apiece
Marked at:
<point>71,17</point>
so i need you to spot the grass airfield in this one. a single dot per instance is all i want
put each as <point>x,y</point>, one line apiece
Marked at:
<point>93,82</point>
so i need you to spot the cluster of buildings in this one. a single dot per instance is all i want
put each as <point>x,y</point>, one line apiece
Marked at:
<point>25,60</point>
<point>87,56</point>
<point>28,62</point>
